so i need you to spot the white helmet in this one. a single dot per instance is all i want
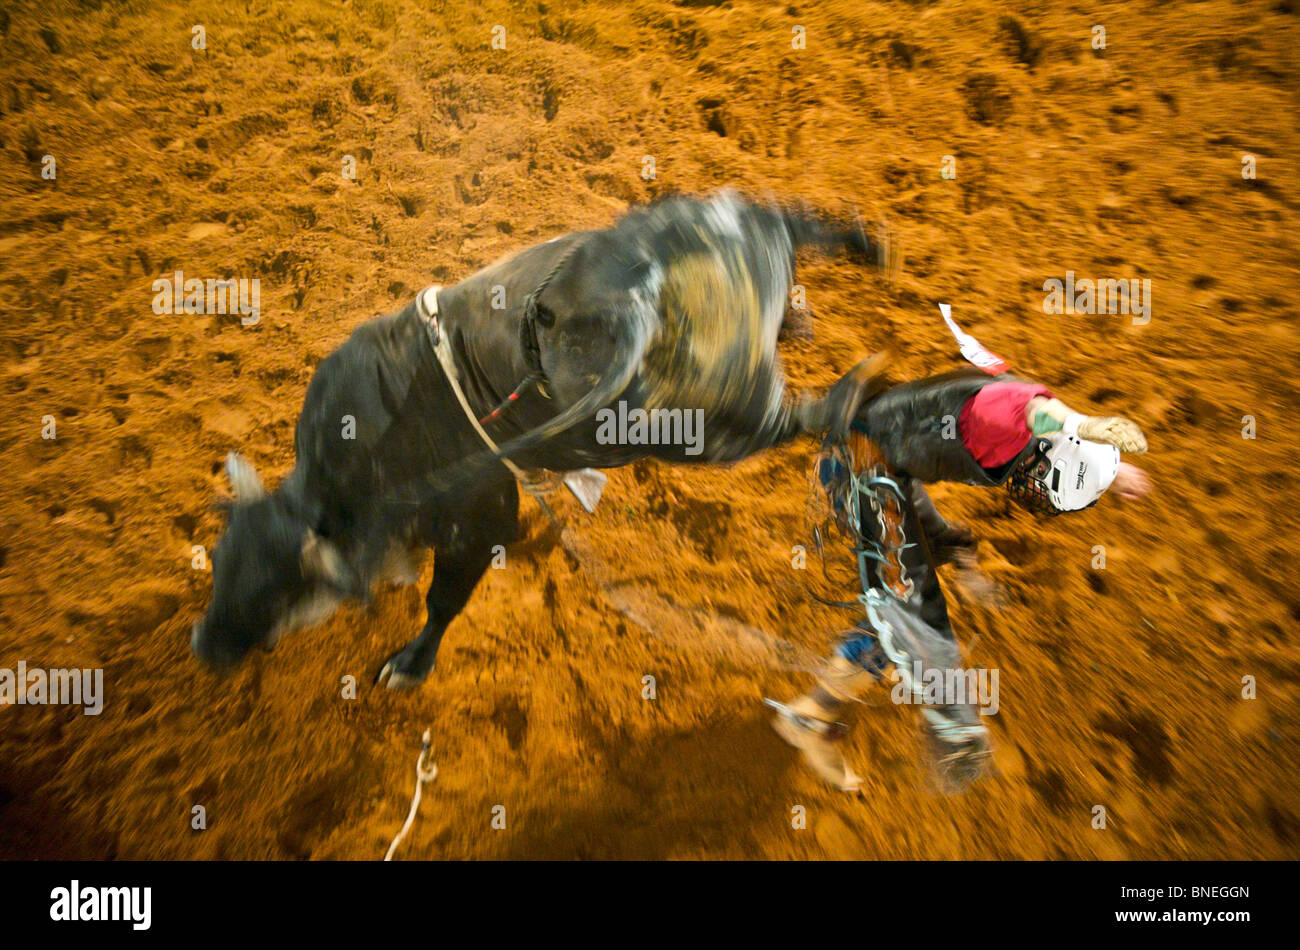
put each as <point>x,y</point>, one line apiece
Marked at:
<point>1065,473</point>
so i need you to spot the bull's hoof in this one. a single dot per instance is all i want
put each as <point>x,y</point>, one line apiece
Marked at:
<point>403,671</point>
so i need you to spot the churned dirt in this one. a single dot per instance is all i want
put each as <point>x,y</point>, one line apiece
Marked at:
<point>1119,687</point>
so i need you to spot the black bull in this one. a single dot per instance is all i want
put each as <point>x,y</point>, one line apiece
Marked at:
<point>677,307</point>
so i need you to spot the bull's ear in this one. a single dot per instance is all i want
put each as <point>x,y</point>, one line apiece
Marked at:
<point>322,561</point>
<point>243,479</point>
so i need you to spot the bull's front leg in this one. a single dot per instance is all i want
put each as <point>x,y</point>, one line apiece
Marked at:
<point>466,547</point>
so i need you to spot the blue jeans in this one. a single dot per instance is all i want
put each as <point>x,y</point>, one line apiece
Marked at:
<point>863,649</point>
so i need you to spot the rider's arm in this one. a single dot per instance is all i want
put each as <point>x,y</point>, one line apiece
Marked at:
<point>1046,414</point>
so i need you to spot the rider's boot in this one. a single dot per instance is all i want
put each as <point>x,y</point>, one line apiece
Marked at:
<point>814,723</point>
<point>960,745</point>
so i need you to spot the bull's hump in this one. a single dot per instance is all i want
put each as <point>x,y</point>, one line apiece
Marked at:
<point>525,268</point>
<point>713,337</point>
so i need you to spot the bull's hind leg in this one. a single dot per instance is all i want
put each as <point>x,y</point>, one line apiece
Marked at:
<point>466,541</point>
<point>738,435</point>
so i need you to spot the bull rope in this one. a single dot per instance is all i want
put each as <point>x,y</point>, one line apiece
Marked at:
<point>425,771</point>
<point>528,332</point>
<point>427,305</point>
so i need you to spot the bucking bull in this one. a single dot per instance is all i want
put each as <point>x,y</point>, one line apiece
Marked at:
<point>676,307</point>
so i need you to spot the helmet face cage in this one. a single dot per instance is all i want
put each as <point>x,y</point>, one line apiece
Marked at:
<point>1028,482</point>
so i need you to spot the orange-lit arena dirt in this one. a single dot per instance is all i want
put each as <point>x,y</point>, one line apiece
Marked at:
<point>1120,688</point>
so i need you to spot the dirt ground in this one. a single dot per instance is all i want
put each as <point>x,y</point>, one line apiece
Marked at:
<point>1120,688</point>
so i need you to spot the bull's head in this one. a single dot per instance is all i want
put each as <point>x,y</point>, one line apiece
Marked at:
<point>271,573</point>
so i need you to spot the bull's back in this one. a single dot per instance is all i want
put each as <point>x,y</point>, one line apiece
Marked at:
<point>369,418</point>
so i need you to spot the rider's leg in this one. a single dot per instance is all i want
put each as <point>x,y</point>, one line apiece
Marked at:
<point>945,537</point>
<point>815,722</point>
<point>907,611</point>
<point>915,631</point>
<point>953,543</point>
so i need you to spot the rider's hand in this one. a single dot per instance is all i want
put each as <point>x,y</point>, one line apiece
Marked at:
<point>1130,482</point>
<point>1122,433</point>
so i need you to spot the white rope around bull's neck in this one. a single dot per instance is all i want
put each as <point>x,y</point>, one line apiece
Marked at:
<point>427,306</point>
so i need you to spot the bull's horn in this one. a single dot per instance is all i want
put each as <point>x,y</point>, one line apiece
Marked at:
<point>243,479</point>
